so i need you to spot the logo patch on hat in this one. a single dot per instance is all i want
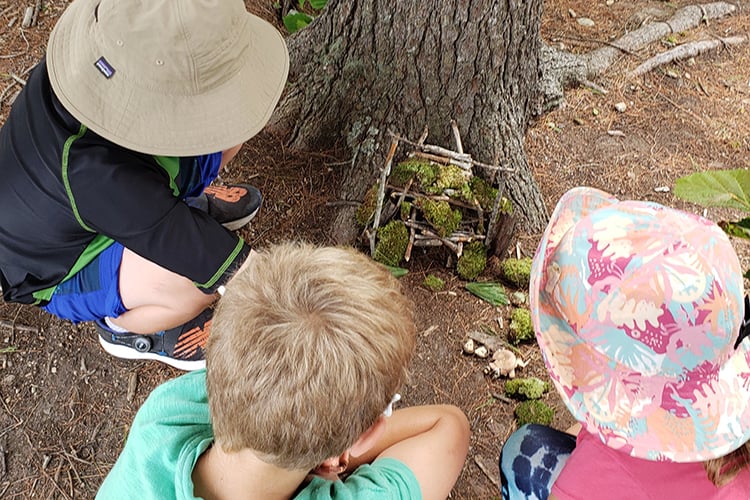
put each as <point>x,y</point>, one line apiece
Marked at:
<point>104,68</point>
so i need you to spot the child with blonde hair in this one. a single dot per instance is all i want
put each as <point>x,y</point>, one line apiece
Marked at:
<point>638,310</point>
<point>308,349</point>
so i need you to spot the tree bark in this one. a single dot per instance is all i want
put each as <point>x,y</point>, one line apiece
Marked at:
<point>365,67</point>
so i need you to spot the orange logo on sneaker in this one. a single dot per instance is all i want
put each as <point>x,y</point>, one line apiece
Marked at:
<point>192,340</point>
<point>230,194</point>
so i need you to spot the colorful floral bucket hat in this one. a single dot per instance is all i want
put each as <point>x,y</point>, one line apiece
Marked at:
<point>637,309</point>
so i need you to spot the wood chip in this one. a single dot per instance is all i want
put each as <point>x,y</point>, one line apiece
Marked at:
<point>132,385</point>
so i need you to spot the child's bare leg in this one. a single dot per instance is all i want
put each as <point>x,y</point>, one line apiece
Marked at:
<point>156,298</point>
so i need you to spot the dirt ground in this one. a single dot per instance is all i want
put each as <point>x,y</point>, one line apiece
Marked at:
<point>65,405</point>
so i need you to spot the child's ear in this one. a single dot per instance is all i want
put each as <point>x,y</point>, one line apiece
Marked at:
<point>368,438</point>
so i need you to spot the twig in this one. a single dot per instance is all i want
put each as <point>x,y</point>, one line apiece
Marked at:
<point>427,242</point>
<point>18,79</point>
<point>457,137</point>
<point>429,148</point>
<point>502,398</point>
<point>7,89</point>
<point>381,193</point>
<point>684,51</point>
<point>403,193</point>
<point>434,197</point>
<point>595,87</point>
<point>423,137</point>
<point>412,235</point>
<point>602,42</point>
<point>35,15</point>
<point>21,328</point>
<point>28,17</point>
<point>703,89</point>
<point>442,159</point>
<point>456,248</point>
<point>483,467</point>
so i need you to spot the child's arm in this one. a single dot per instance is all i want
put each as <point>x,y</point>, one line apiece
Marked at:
<point>431,440</point>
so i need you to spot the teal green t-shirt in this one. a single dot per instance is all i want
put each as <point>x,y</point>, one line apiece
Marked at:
<point>172,429</point>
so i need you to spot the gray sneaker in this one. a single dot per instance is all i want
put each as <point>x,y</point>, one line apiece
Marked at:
<point>233,205</point>
<point>182,347</point>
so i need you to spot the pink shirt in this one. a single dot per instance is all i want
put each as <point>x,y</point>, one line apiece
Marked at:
<point>596,471</point>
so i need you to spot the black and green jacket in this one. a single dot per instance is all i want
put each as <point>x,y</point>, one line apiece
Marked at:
<point>66,194</point>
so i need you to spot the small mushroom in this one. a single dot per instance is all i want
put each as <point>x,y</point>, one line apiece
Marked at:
<point>481,352</point>
<point>504,362</point>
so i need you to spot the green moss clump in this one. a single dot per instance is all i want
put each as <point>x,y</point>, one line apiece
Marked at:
<point>483,193</point>
<point>473,260</point>
<point>451,180</point>
<point>450,177</point>
<point>520,326</point>
<point>366,210</point>
<point>433,283</point>
<point>392,241</point>
<point>517,271</point>
<point>440,215</point>
<point>534,412</point>
<point>527,388</point>
<point>506,207</point>
<point>425,171</point>
<point>405,210</point>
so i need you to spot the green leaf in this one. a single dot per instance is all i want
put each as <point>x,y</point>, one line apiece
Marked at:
<point>720,188</point>
<point>397,271</point>
<point>295,21</point>
<point>740,229</point>
<point>494,293</point>
<point>318,4</point>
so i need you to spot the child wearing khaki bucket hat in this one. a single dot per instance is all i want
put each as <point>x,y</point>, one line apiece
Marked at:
<point>638,311</point>
<point>107,208</point>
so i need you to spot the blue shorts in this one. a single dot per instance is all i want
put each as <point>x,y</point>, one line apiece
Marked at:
<point>93,292</point>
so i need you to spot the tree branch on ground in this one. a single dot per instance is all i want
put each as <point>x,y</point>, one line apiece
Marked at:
<point>685,51</point>
<point>560,68</point>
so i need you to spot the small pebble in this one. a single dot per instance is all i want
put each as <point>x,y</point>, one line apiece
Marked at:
<point>481,352</point>
<point>585,21</point>
<point>469,347</point>
<point>621,107</point>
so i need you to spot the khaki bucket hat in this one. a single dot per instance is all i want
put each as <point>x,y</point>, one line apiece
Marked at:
<point>167,77</point>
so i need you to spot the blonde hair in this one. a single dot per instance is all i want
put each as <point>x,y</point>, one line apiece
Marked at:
<point>723,469</point>
<point>307,347</point>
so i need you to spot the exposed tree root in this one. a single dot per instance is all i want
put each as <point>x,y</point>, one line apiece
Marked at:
<point>560,68</point>
<point>685,51</point>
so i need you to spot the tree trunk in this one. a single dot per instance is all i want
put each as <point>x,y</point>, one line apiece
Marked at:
<point>366,67</point>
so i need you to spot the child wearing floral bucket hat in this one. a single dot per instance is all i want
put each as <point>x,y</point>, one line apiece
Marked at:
<point>107,208</point>
<point>638,311</point>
